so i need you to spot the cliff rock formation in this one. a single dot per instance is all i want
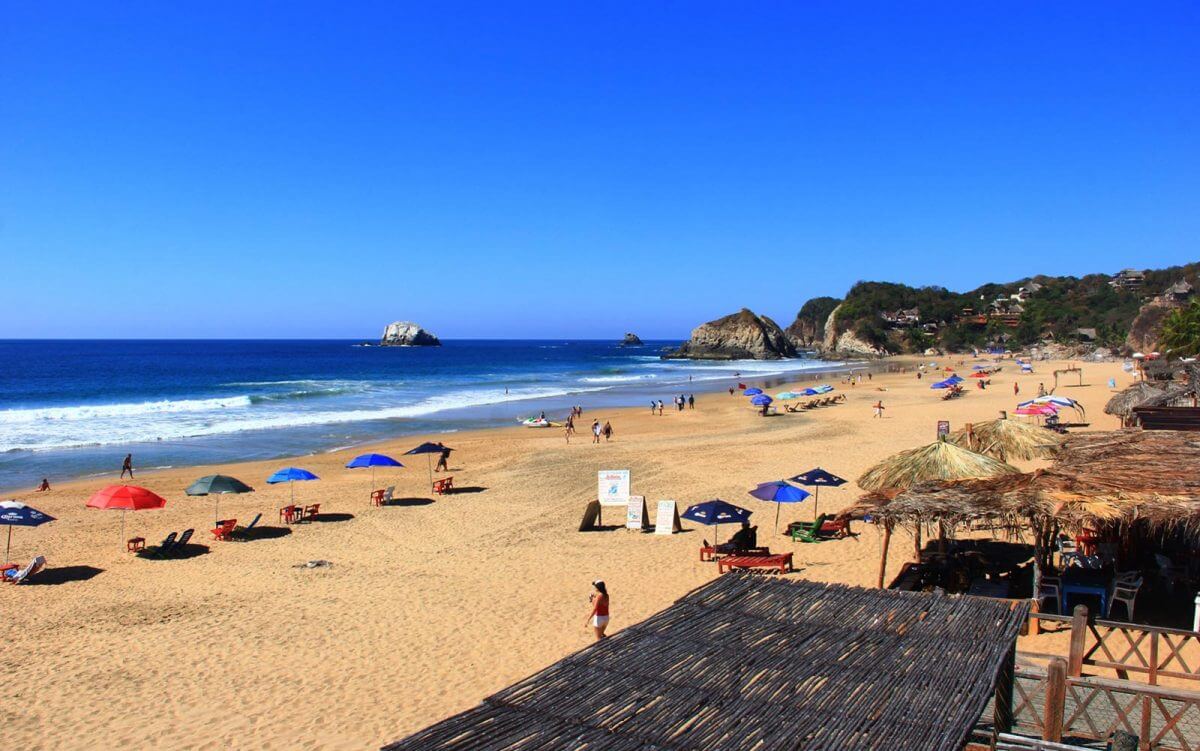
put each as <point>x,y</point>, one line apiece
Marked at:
<point>741,335</point>
<point>407,334</point>
<point>631,340</point>
<point>808,330</point>
<point>1146,327</point>
<point>845,343</point>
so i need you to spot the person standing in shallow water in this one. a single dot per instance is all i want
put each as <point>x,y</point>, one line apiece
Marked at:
<point>127,466</point>
<point>598,619</point>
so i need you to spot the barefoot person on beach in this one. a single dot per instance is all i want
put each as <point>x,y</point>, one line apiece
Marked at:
<point>879,408</point>
<point>127,466</point>
<point>443,460</point>
<point>44,486</point>
<point>607,431</point>
<point>595,431</point>
<point>598,619</point>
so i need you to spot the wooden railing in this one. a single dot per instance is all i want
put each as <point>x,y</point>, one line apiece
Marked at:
<point>1053,705</point>
<point>1132,650</point>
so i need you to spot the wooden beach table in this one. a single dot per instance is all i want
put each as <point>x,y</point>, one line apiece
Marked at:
<point>781,561</point>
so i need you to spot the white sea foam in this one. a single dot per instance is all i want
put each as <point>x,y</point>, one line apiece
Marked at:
<point>41,429</point>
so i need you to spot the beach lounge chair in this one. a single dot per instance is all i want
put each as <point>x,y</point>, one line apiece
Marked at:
<point>443,486</point>
<point>224,529</point>
<point>834,528</point>
<point>34,566</point>
<point>799,530</point>
<point>164,547</point>
<point>182,542</point>
<point>244,533</point>
<point>781,561</point>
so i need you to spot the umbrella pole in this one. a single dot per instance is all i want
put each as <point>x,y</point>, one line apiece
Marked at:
<point>216,509</point>
<point>429,463</point>
<point>122,524</point>
<point>8,547</point>
<point>816,500</point>
<point>777,505</point>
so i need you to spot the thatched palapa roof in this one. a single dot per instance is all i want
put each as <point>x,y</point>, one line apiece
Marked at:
<point>1117,477</point>
<point>1008,439</point>
<point>939,460</point>
<point>1143,394</point>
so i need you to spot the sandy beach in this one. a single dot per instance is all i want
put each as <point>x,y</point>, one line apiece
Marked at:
<point>434,603</point>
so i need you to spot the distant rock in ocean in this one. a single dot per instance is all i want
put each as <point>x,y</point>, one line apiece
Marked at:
<point>631,340</point>
<point>740,336</point>
<point>407,334</point>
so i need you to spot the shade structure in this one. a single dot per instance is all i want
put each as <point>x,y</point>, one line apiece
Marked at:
<point>1039,410</point>
<point>429,449</point>
<point>371,461</point>
<point>761,400</point>
<point>17,514</point>
<point>217,486</point>
<point>786,395</point>
<point>817,478</point>
<point>980,374</point>
<point>291,475</point>
<point>715,512</point>
<point>1008,439</point>
<point>939,460</point>
<point>810,392</point>
<point>779,492</point>
<point>125,498</point>
<point>941,385</point>
<point>752,392</point>
<point>954,379</point>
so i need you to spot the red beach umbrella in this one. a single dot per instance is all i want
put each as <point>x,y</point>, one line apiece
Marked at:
<point>126,498</point>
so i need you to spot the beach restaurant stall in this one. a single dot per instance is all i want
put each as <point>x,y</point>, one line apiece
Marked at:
<point>746,662</point>
<point>1115,509</point>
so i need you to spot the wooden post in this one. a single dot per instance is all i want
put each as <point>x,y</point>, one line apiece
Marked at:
<point>1079,624</point>
<point>1002,718</point>
<point>887,538</point>
<point>917,540</point>
<point>1056,698</point>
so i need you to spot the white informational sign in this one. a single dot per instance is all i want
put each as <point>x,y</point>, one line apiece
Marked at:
<point>635,512</point>
<point>614,487</point>
<point>666,522</point>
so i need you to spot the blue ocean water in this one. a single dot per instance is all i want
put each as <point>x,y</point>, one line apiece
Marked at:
<point>74,408</point>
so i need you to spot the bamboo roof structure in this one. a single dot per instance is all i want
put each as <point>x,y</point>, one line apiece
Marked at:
<point>1006,439</point>
<point>746,663</point>
<point>1143,394</point>
<point>1118,477</point>
<point>940,460</point>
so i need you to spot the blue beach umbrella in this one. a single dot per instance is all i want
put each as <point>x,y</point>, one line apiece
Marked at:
<point>17,514</point>
<point>940,385</point>
<point>291,475</point>
<point>818,478</point>
<point>752,392</point>
<point>761,400</point>
<point>371,461</point>
<point>428,449</point>
<point>810,392</point>
<point>716,511</point>
<point>780,492</point>
<point>956,378</point>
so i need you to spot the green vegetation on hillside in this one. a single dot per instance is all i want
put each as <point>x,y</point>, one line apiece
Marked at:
<point>1016,314</point>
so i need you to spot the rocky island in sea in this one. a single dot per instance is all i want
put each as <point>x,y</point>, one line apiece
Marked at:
<point>738,336</point>
<point>407,334</point>
<point>631,340</point>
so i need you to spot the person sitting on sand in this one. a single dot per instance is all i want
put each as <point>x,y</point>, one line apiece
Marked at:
<point>44,486</point>
<point>598,618</point>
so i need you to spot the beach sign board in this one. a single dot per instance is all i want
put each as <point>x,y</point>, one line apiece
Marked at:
<point>637,516</point>
<point>667,519</point>
<point>614,487</point>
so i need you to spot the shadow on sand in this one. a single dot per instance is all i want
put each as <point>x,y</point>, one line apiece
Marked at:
<point>191,550</point>
<point>62,575</point>
<point>409,502</point>
<point>466,489</point>
<point>265,533</point>
<point>325,518</point>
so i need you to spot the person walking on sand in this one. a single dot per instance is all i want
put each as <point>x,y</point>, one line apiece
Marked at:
<point>127,466</point>
<point>1041,389</point>
<point>444,458</point>
<point>595,431</point>
<point>598,618</point>
<point>607,430</point>
<point>660,407</point>
<point>691,401</point>
<point>567,433</point>
<point>1016,388</point>
<point>731,390</point>
<point>653,406</point>
<point>879,408</point>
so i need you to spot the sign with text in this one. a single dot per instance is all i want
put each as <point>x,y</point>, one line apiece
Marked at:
<point>943,428</point>
<point>614,487</point>
<point>666,521</point>
<point>636,515</point>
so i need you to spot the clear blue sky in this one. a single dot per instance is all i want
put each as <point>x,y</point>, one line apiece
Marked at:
<point>573,169</point>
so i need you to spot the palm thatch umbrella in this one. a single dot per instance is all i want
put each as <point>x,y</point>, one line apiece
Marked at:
<point>1006,439</point>
<point>939,460</point>
<point>1143,394</point>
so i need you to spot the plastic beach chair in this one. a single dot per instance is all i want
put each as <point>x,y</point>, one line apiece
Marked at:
<point>34,566</point>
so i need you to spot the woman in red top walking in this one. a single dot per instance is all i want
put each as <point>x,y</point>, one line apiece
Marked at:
<point>598,620</point>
